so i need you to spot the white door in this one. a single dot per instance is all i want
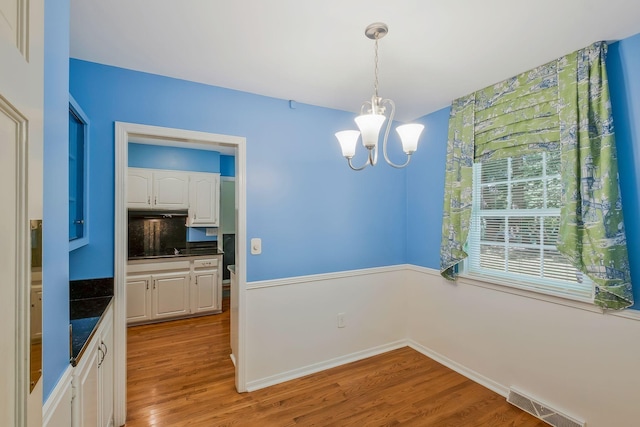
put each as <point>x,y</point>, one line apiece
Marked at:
<point>170,295</point>
<point>21,106</point>
<point>139,184</point>
<point>170,190</point>
<point>203,200</point>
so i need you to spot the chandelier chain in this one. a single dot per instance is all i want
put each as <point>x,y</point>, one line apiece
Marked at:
<point>375,86</point>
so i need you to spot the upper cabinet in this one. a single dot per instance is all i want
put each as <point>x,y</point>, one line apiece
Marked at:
<point>204,207</point>
<point>170,190</point>
<point>199,193</point>
<point>139,188</point>
<point>154,189</point>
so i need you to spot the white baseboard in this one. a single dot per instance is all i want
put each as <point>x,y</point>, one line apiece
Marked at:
<point>56,411</point>
<point>461,369</point>
<point>233,359</point>
<point>321,366</point>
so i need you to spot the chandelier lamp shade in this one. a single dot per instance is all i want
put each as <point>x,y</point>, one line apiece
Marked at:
<point>372,120</point>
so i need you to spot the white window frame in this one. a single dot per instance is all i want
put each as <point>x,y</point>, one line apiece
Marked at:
<point>84,240</point>
<point>583,292</point>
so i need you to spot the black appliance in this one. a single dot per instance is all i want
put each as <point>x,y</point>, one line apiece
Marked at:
<point>229,257</point>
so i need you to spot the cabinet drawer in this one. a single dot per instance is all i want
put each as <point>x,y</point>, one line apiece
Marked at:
<point>152,267</point>
<point>205,263</point>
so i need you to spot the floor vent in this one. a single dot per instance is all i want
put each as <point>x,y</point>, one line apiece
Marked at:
<point>540,410</point>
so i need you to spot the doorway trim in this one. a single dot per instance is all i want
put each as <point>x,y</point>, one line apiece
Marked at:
<point>123,133</point>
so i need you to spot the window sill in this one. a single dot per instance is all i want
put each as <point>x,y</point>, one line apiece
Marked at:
<point>497,285</point>
<point>78,243</point>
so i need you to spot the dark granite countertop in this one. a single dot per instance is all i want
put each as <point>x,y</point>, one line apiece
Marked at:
<point>185,254</point>
<point>89,300</point>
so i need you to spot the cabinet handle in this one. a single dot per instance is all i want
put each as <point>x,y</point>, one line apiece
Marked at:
<point>156,200</point>
<point>148,200</point>
<point>147,285</point>
<point>101,357</point>
<point>154,284</point>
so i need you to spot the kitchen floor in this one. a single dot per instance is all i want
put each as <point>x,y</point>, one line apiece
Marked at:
<point>180,374</point>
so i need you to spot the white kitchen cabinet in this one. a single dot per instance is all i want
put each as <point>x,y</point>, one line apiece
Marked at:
<point>92,404</point>
<point>139,298</point>
<point>157,189</point>
<point>206,287</point>
<point>170,295</point>
<point>158,290</point>
<point>172,289</point>
<point>204,196</point>
<point>139,188</point>
<point>170,190</point>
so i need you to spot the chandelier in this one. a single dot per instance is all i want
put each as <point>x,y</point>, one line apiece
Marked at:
<point>372,117</point>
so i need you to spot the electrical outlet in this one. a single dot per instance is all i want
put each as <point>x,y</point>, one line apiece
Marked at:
<point>341,323</point>
<point>211,232</point>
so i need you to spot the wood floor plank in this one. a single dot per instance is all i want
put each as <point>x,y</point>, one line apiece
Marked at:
<point>180,374</point>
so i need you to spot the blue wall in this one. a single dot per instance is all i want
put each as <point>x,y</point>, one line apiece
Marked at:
<point>425,192</point>
<point>313,213</point>
<point>227,165</point>
<point>623,66</point>
<point>425,186</point>
<point>173,158</point>
<point>55,268</point>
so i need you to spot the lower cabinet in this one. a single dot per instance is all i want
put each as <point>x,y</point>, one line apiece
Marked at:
<point>173,289</point>
<point>205,291</point>
<point>92,403</point>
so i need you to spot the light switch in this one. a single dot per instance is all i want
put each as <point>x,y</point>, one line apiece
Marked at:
<point>256,246</point>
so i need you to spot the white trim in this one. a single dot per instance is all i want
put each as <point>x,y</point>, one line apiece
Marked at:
<point>628,313</point>
<point>461,369</point>
<point>323,276</point>
<point>84,240</point>
<point>123,133</point>
<point>321,366</point>
<point>58,397</point>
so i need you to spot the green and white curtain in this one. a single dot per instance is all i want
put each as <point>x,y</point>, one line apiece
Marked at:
<point>564,102</point>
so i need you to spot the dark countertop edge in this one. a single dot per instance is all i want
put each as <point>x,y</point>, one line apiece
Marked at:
<point>179,256</point>
<point>74,360</point>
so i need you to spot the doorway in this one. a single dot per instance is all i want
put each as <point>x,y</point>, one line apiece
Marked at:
<point>124,132</point>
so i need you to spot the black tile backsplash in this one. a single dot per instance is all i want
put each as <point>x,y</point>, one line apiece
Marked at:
<point>91,288</point>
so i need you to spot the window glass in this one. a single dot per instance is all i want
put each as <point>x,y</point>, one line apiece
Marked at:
<point>515,225</point>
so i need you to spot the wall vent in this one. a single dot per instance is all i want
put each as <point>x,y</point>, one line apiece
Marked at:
<point>541,410</point>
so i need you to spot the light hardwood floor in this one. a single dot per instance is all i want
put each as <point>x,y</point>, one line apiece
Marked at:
<point>180,374</point>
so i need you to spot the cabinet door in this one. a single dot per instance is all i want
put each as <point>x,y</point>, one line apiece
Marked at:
<point>170,295</point>
<point>204,207</point>
<point>170,190</point>
<point>205,291</point>
<point>87,388</point>
<point>138,299</point>
<point>106,374</point>
<point>139,185</point>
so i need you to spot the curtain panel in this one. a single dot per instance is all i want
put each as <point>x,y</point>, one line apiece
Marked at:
<point>566,103</point>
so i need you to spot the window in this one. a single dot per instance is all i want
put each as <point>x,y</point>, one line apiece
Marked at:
<point>78,162</point>
<point>515,222</point>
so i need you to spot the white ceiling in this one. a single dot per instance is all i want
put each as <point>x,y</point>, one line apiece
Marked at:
<point>315,51</point>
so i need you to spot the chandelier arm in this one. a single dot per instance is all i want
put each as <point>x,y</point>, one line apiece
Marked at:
<point>386,137</point>
<point>355,168</point>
